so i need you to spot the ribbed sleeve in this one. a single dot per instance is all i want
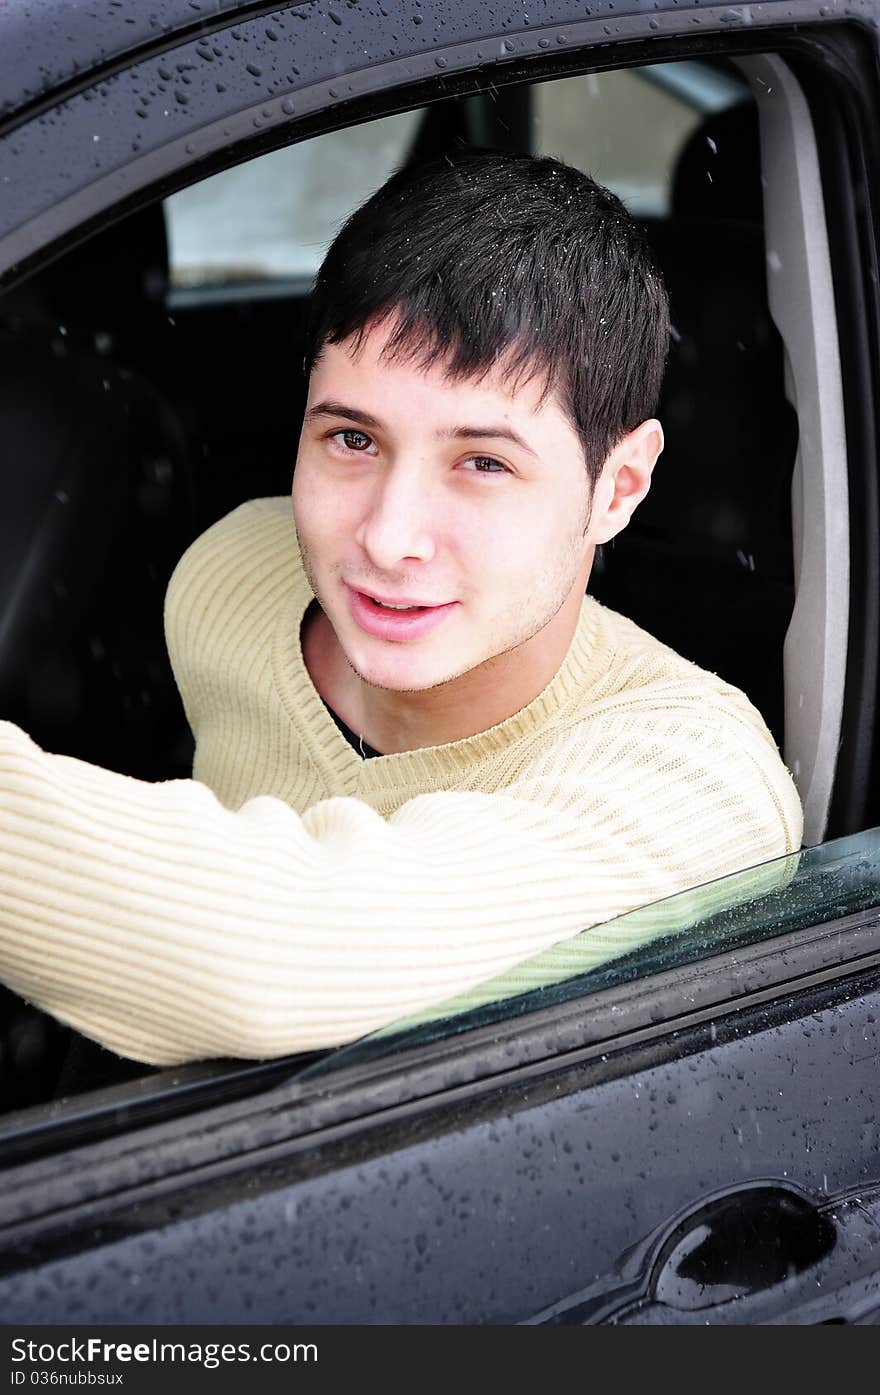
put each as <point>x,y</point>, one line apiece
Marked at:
<point>172,925</point>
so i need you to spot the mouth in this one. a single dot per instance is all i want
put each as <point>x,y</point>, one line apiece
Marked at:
<point>395,618</point>
<point>398,605</point>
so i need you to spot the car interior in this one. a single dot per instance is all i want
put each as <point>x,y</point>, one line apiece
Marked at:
<point>141,401</point>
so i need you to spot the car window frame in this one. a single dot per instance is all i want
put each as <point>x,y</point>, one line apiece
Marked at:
<point>42,239</point>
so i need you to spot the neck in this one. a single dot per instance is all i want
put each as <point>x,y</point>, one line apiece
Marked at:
<point>394,721</point>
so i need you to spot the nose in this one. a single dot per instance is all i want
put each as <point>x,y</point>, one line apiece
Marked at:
<point>397,523</point>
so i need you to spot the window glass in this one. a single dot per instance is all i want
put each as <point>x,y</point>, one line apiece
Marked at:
<point>627,129</point>
<point>805,889</point>
<point>275,216</point>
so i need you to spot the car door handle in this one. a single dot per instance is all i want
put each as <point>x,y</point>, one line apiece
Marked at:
<point>733,1245</point>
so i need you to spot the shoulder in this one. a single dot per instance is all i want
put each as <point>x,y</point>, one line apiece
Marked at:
<point>654,714</point>
<point>259,533</point>
<point>252,550</point>
<point>634,671</point>
<point>228,586</point>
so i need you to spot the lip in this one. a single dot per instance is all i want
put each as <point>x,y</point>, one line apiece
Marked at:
<point>396,600</point>
<point>398,626</point>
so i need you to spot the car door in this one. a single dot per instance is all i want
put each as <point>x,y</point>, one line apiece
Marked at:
<point>637,1143</point>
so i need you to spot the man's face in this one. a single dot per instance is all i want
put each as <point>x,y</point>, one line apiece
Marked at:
<point>467,500</point>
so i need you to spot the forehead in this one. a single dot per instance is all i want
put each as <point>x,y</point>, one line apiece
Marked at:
<point>400,379</point>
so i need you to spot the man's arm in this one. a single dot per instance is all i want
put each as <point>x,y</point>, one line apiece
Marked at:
<point>170,929</point>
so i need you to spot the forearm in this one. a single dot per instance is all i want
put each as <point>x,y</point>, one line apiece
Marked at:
<point>170,928</point>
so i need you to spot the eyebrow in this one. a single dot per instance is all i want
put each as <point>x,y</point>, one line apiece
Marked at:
<point>330,408</point>
<point>339,409</point>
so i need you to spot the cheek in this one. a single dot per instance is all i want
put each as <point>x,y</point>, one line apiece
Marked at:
<point>505,567</point>
<point>314,507</point>
<point>300,494</point>
<point>529,543</point>
<point>549,551</point>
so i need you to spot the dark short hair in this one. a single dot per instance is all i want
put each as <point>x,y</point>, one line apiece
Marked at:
<point>484,254</point>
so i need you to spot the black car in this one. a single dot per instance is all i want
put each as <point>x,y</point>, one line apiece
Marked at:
<point>689,1134</point>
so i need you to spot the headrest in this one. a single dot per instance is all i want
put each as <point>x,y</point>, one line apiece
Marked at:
<point>718,174</point>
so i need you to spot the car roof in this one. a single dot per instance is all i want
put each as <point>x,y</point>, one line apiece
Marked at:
<point>46,45</point>
<point>49,46</point>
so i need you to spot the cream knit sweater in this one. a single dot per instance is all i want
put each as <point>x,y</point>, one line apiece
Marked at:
<point>294,896</point>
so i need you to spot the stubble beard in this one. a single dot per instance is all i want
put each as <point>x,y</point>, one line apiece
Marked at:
<point>559,583</point>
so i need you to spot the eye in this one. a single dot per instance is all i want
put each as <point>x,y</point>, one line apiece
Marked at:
<point>352,439</point>
<point>485,465</point>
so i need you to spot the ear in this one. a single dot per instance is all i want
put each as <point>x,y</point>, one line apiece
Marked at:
<point>624,481</point>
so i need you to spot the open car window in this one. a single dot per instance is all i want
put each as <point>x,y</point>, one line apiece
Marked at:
<point>628,129</point>
<point>215,382</point>
<point>274,217</point>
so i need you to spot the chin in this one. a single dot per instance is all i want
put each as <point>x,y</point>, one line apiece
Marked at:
<point>396,682</point>
<point>405,674</point>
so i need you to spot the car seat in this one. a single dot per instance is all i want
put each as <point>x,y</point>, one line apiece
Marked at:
<point>706,564</point>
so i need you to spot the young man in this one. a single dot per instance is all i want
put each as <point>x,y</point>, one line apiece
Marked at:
<point>421,754</point>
